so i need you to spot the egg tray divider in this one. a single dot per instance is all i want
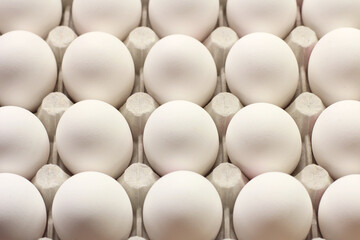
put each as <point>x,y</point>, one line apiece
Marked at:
<point>226,177</point>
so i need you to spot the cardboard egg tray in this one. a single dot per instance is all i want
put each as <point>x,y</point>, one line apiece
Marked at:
<point>226,177</point>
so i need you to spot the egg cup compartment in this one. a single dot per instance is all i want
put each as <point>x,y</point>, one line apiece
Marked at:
<point>226,177</point>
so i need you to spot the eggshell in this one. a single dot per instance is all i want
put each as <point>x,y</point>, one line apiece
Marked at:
<point>261,67</point>
<point>336,138</point>
<point>117,17</point>
<point>28,70</point>
<point>98,66</point>
<point>24,142</point>
<point>323,16</point>
<point>334,72</point>
<point>37,16</point>
<point>180,135</point>
<point>179,67</point>
<point>339,209</point>
<point>195,18</point>
<point>248,16</point>
<point>273,206</point>
<point>92,206</point>
<point>182,205</point>
<point>94,136</point>
<point>22,209</point>
<point>263,138</point>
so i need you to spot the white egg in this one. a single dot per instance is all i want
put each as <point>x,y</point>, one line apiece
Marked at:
<point>92,206</point>
<point>334,72</point>
<point>339,209</point>
<point>336,138</point>
<point>28,70</point>
<point>179,67</point>
<point>180,135</point>
<point>261,67</point>
<point>263,138</point>
<point>323,16</point>
<point>37,16</point>
<point>248,16</point>
<point>273,206</point>
<point>94,136</point>
<point>98,66</point>
<point>182,205</point>
<point>24,142</point>
<point>22,209</point>
<point>195,18</point>
<point>117,17</point>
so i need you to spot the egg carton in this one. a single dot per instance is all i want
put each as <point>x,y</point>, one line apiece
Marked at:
<point>226,177</point>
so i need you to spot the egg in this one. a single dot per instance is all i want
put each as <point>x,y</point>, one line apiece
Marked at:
<point>339,210</point>
<point>24,142</point>
<point>249,16</point>
<point>179,67</point>
<point>36,16</point>
<point>22,209</point>
<point>273,206</point>
<point>27,74</point>
<point>323,16</point>
<point>261,67</point>
<point>195,18</point>
<point>336,138</point>
<point>92,206</point>
<point>334,72</point>
<point>263,138</point>
<point>117,17</point>
<point>94,136</point>
<point>98,66</point>
<point>180,135</point>
<point>182,205</point>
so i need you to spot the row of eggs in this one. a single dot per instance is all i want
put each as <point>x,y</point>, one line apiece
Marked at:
<point>332,159</point>
<point>119,17</point>
<point>260,67</point>
<point>180,205</point>
<point>179,135</point>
